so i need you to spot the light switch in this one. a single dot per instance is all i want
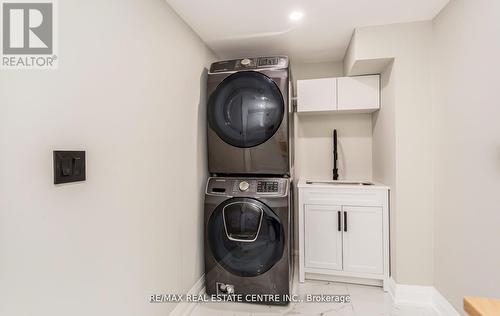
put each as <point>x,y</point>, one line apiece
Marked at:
<point>69,166</point>
<point>66,166</point>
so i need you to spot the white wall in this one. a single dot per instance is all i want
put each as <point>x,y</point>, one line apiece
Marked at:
<point>440,109</point>
<point>313,135</point>
<point>466,50</point>
<point>406,90</point>
<point>130,91</point>
<point>384,150</point>
<point>314,146</point>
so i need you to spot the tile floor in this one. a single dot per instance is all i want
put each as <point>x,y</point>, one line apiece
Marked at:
<point>365,301</point>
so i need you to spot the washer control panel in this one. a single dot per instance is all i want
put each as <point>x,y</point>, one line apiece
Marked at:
<point>267,186</point>
<point>247,186</point>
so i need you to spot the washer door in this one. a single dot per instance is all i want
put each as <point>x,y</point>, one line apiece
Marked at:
<point>246,109</point>
<point>245,236</point>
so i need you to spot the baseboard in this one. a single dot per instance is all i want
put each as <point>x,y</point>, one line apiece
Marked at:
<point>442,306</point>
<point>343,279</point>
<point>417,295</point>
<point>185,308</point>
<point>391,288</point>
<point>414,295</point>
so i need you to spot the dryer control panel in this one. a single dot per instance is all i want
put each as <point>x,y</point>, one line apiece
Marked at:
<point>247,186</point>
<point>273,62</point>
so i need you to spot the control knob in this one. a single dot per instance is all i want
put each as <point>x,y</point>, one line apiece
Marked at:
<point>244,186</point>
<point>246,62</point>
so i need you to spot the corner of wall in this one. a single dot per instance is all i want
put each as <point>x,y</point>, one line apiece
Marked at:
<point>350,53</point>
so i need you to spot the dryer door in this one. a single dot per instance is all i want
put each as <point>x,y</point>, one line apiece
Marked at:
<point>246,109</point>
<point>245,236</point>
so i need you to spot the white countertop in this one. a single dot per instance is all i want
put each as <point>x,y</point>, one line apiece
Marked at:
<point>326,183</point>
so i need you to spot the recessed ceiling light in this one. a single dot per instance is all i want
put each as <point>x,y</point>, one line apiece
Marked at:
<point>296,16</point>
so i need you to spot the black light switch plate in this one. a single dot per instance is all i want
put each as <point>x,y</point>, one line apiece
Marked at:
<point>69,166</point>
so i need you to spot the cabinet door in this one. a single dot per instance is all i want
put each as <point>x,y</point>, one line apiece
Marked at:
<point>358,93</point>
<point>323,239</point>
<point>317,95</point>
<point>363,246</point>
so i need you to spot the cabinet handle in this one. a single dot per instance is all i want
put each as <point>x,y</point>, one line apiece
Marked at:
<point>339,220</point>
<point>345,221</point>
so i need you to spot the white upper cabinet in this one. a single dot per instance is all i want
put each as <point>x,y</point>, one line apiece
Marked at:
<point>358,93</point>
<point>355,94</point>
<point>317,95</point>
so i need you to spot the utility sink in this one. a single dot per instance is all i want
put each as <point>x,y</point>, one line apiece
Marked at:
<point>338,182</point>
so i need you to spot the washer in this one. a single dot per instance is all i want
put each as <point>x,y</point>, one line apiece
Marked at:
<point>248,238</point>
<point>250,118</point>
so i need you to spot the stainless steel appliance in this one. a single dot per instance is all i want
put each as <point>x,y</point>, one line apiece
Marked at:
<point>250,117</point>
<point>248,238</point>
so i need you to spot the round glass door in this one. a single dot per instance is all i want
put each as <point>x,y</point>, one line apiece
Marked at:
<point>245,236</point>
<point>246,109</point>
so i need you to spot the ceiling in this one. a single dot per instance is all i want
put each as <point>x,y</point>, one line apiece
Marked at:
<point>238,28</point>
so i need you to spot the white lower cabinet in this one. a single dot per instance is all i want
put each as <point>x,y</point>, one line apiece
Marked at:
<point>344,233</point>
<point>363,239</point>
<point>323,245</point>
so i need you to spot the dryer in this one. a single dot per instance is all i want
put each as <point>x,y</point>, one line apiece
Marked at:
<point>248,238</point>
<point>250,117</point>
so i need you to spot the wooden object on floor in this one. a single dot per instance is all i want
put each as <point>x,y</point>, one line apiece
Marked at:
<point>480,306</point>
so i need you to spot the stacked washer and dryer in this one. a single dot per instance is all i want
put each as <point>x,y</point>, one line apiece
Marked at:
<point>248,197</point>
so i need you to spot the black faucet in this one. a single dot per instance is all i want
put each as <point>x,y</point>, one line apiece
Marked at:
<point>335,156</point>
